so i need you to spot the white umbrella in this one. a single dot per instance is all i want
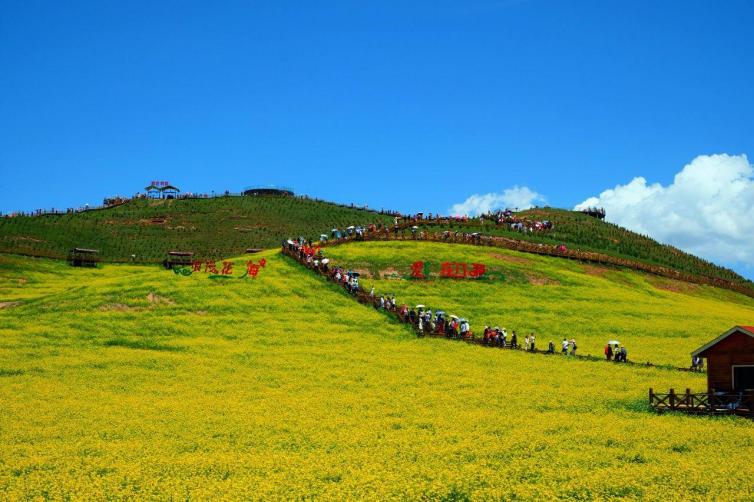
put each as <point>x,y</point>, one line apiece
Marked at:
<point>325,261</point>
<point>613,342</point>
<point>454,317</point>
<point>420,306</point>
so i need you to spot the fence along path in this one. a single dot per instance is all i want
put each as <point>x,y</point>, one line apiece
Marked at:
<point>398,233</point>
<point>365,298</point>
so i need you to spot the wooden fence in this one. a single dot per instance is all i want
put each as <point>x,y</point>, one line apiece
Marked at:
<point>706,403</point>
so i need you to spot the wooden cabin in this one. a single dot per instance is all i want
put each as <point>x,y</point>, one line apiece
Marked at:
<point>730,360</point>
<point>82,257</point>
<point>178,259</point>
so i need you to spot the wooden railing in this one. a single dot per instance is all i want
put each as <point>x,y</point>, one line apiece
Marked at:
<point>708,403</point>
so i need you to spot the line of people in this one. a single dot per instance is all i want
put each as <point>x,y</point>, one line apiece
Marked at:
<point>423,319</point>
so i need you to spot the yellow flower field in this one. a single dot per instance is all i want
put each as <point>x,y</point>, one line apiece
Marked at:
<point>133,382</point>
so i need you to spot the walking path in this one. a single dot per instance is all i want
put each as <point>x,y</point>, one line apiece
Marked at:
<point>305,256</point>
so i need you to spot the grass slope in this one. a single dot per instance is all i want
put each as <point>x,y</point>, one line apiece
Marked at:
<point>580,231</point>
<point>659,320</point>
<point>211,228</point>
<point>130,381</point>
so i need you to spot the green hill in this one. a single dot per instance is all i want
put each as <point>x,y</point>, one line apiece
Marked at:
<point>144,230</point>
<point>129,381</point>
<point>580,231</point>
<point>211,228</point>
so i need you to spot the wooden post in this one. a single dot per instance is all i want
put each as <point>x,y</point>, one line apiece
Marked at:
<point>651,396</point>
<point>688,398</point>
<point>672,399</point>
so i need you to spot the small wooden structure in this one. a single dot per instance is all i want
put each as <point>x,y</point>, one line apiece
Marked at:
<point>178,259</point>
<point>161,190</point>
<point>253,250</point>
<point>82,257</point>
<point>730,360</point>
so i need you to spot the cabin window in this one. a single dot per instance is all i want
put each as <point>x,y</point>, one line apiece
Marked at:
<point>743,377</point>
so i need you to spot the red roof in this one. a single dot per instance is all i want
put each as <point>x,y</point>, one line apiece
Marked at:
<point>748,330</point>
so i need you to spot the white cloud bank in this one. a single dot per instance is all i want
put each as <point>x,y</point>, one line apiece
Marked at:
<point>707,210</point>
<point>510,198</point>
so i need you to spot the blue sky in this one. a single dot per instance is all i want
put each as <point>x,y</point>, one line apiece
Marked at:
<point>408,105</point>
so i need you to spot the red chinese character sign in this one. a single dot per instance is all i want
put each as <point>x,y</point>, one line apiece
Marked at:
<point>226,271</point>
<point>420,270</point>
<point>450,270</point>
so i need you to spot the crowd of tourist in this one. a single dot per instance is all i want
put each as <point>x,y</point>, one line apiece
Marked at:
<point>507,218</point>
<point>424,321</point>
<point>616,352</point>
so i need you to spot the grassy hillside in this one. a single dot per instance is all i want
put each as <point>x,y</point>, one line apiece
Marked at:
<point>659,320</point>
<point>132,381</point>
<point>211,228</point>
<point>580,231</point>
<point>226,226</point>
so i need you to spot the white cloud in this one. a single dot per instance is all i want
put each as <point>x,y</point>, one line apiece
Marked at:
<point>707,210</point>
<point>511,198</point>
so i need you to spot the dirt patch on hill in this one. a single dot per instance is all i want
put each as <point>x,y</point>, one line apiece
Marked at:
<point>390,273</point>
<point>7,305</point>
<point>595,270</point>
<point>511,259</point>
<point>672,285</point>
<point>156,299</point>
<point>157,220</point>
<point>363,273</point>
<point>25,238</point>
<point>249,228</point>
<point>116,307</point>
<point>540,280</point>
